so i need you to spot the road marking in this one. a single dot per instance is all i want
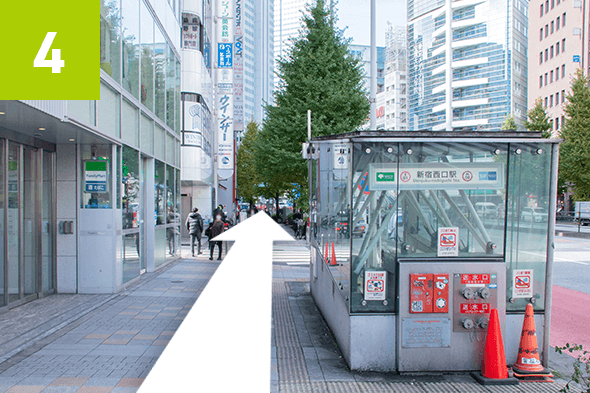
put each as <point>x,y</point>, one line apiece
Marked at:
<point>556,258</point>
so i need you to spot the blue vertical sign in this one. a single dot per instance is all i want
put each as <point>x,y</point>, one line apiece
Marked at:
<point>576,58</point>
<point>224,55</point>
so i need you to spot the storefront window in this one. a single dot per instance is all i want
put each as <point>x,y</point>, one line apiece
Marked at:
<point>2,207</point>
<point>160,195</point>
<point>110,38</point>
<point>170,87</point>
<point>131,198</point>
<point>172,215</point>
<point>13,228</point>
<point>147,57</point>
<point>130,13</point>
<point>96,175</point>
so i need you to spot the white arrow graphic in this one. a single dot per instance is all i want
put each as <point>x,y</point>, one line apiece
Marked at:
<point>224,343</point>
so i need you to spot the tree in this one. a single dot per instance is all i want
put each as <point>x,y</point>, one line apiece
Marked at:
<point>246,172</point>
<point>509,124</point>
<point>318,73</point>
<point>538,120</point>
<point>575,150</point>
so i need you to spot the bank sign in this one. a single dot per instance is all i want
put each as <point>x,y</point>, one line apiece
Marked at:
<point>436,176</point>
<point>95,176</point>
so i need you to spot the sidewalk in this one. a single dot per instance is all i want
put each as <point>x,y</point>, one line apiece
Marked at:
<point>109,343</point>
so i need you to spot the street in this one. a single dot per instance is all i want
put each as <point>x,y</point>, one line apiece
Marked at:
<point>570,315</point>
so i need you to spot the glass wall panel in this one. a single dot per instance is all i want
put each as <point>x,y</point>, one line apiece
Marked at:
<point>131,199</point>
<point>527,219</point>
<point>160,142</point>
<point>170,87</point>
<point>177,99</point>
<point>13,228</point>
<point>30,216</point>
<point>130,123</point>
<point>160,193</point>
<point>451,185</point>
<point>2,215</point>
<point>147,57</point>
<point>160,50</point>
<point>110,38</point>
<point>47,226</point>
<point>160,246</point>
<point>96,172</point>
<point>130,256</point>
<point>170,147</point>
<point>130,17</point>
<point>82,110</point>
<point>108,111</point>
<point>373,227</point>
<point>147,134</point>
<point>118,174</point>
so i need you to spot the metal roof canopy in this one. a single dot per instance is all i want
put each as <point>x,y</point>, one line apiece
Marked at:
<point>440,136</point>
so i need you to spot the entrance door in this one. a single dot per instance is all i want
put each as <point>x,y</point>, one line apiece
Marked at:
<point>31,215</point>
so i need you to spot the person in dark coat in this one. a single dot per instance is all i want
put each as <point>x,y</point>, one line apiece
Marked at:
<point>216,229</point>
<point>194,226</point>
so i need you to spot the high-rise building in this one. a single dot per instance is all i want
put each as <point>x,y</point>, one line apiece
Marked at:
<point>90,194</point>
<point>467,63</point>
<point>557,48</point>
<point>363,53</point>
<point>258,30</point>
<point>287,23</point>
<point>198,146</point>
<point>392,101</point>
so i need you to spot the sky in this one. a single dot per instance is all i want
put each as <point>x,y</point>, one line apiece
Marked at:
<point>355,16</point>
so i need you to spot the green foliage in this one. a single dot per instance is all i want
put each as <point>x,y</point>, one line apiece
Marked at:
<point>538,120</point>
<point>581,374</point>
<point>575,150</point>
<point>509,124</point>
<point>318,74</point>
<point>246,165</point>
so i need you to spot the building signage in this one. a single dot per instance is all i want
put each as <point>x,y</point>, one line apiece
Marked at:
<point>191,34</point>
<point>225,136</point>
<point>448,242</point>
<point>238,66</point>
<point>340,156</point>
<point>576,58</point>
<point>193,120</point>
<point>375,285</point>
<point>437,176</point>
<point>522,283</point>
<point>192,139</point>
<point>224,55</point>
<point>95,176</point>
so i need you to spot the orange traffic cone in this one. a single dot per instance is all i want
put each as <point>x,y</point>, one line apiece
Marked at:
<point>333,262</point>
<point>493,368</point>
<point>326,253</point>
<point>528,364</point>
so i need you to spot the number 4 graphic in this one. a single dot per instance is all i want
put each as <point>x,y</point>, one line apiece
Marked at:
<point>56,63</point>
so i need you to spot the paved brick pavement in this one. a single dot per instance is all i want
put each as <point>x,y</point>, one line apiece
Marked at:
<point>109,343</point>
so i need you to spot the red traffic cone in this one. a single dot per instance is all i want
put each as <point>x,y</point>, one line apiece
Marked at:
<point>333,261</point>
<point>493,367</point>
<point>528,363</point>
<point>326,254</point>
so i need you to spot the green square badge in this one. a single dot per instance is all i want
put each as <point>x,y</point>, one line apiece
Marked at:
<point>51,50</point>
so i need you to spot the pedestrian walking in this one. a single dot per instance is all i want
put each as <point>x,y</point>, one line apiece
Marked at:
<point>194,226</point>
<point>216,229</point>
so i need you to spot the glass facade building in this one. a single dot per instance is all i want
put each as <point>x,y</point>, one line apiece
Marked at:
<point>90,190</point>
<point>467,63</point>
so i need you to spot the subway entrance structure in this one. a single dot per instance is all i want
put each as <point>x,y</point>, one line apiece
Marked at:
<point>416,236</point>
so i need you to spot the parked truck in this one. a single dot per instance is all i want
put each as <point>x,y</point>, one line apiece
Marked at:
<point>583,212</point>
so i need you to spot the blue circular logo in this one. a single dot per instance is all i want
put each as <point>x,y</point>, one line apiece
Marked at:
<point>225,160</point>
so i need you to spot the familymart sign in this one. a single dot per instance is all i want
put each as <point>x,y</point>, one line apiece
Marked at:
<point>95,176</point>
<point>437,176</point>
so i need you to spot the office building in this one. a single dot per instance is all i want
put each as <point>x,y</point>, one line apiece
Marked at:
<point>392,101</point>
<point>467,63</point>
<point>91,189</point>
<point>557,48</point>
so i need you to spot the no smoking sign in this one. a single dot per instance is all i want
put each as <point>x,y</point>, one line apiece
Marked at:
<point>522,283</point>
<point>52,50</point>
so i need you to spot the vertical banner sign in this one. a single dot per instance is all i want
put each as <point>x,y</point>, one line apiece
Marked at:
<point>238,70</point>
<point>224,98</point>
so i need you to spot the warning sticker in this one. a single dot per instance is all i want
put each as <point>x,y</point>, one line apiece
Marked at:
<point>448,238</point>
<point>375,285</point>
<point>522,283</point>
